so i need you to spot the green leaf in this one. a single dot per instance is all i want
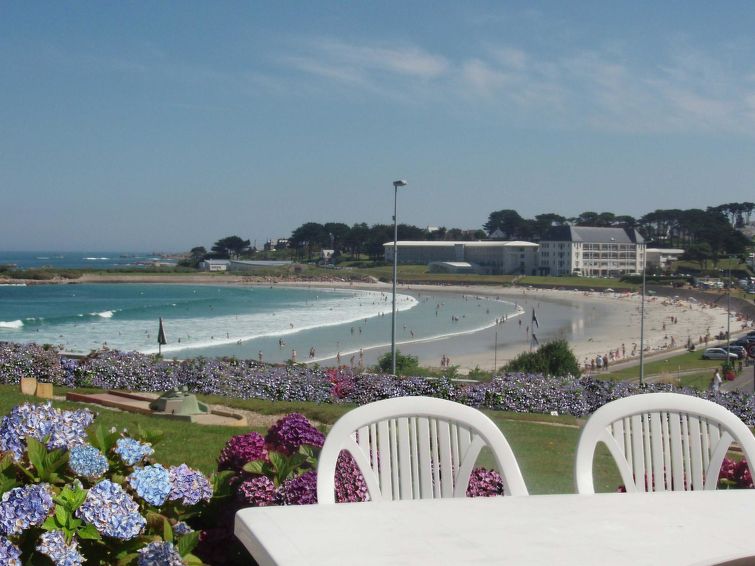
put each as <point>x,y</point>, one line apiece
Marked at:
<point>167,531</point>
<point>97,438</point>
<point>51,524</point>
<point>6,462</point>
<point>191,560</point>
<point>187,543</point>
<point>37,452</point>
<point>127,559</point>
<point>155,521</point>
<point>255,467</point>
<point>277,460</point>
<point>88,532</point>
<point>61,515</point>
<point>6,484</point>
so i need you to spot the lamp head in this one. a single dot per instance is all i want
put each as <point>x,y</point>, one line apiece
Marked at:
<point>400,183</point>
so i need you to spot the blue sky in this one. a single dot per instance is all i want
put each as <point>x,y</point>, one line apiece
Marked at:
<point>160,126</point>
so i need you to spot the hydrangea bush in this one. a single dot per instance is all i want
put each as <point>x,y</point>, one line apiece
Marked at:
<point>247,379</point>
<point>280,469</point>
<point>74,493</point>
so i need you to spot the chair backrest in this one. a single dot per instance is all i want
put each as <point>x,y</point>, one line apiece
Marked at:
<point>415,448</point>
<point>662,442</point>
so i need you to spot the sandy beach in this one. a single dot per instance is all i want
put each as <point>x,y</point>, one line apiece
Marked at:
<point>669,324</point>
<point>594,323</point>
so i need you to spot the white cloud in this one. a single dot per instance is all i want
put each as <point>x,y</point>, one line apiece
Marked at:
<point>613,88</point>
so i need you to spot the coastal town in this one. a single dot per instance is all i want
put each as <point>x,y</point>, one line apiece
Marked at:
<point>377,283</point>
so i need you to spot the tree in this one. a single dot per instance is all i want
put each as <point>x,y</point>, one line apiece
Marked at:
<point>356,239</point>
<point>196,255</point>
<point>405,364</point>
<point>379,235</point>
<point>339,232</point>
<point>508,221</point>
<point>310,236</point>
<point>553,358</point>
<point>544,222</point>
<point>230,247</point>
<point>700,253</point>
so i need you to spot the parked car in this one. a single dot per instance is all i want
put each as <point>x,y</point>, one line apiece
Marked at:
<point>718,354</point>
<point>740,351</point>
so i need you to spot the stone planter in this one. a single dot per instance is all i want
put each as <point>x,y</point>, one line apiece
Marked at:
<point>44,390</point>
<point>28,385</point>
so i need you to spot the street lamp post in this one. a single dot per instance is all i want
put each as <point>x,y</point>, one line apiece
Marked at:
<point>728,317</point>
<point>642,325</point>
<point>396,185</point>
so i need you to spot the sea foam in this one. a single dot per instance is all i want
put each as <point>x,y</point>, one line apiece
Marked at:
<point>11,323</point>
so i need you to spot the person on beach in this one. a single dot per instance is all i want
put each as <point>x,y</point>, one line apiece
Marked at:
<point>259,356</point>
<point>293,356</point>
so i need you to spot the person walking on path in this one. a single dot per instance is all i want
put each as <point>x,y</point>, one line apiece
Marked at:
<point>716,383</point>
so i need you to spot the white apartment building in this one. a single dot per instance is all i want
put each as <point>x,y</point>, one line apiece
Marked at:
<point>591,251</point>
<point>509,258</point>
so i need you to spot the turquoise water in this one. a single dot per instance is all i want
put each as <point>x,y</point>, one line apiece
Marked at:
<point>234,320</point>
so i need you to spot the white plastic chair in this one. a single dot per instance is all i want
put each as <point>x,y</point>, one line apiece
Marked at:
<point>415,448</point>
<point>662,442</point>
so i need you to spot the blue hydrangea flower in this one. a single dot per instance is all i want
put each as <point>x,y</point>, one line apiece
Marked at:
<point>64,429</point>
<point>88,462</point>
<point>24,507</point>
<point>159,554</point>
<point>53,544</point>
<point>189,485</point>
<point>132,451</point>
<point>181,528</point>
<point>22,421</point>
<point>151,483</point>
<point>70,428</point>
<point>112,511</point>
<point>10,554</point>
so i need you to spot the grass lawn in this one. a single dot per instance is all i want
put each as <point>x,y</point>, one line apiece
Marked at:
<point>687,361</point>
<point>544,445</point>
<point>579,282</point>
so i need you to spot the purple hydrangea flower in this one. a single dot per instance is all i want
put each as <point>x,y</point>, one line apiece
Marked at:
<point>88,462</point>
<point>10,554</point>
<point>151,483</point>
<point>241,449</point>
<point>190,486</point>
<point>132,451</point>
<point>301,490</point>
<point>159,553</point>
<point>292,431</point>
<point>24,507</point>
<point>112,511</point>
<point>53,544</point>
<point>258,492</point>
<point>349,481</point>
<point>484,483</point>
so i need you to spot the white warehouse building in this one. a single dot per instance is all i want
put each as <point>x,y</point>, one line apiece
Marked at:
<point>509,258</point>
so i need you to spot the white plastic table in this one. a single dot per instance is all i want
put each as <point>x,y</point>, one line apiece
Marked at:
<point>675,528</point>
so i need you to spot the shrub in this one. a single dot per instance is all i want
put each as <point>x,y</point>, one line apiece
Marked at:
<point>553,358</point>
<point>283,472</point>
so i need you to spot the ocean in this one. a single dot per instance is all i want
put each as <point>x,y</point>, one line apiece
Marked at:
<point>313,324</point>
<point>79,260</point>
